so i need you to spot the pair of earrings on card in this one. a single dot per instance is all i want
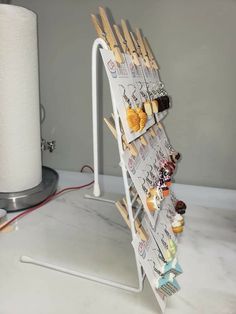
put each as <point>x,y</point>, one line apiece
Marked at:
<point>136,117</point>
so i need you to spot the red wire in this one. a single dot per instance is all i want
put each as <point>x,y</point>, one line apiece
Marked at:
<point>26,212</point>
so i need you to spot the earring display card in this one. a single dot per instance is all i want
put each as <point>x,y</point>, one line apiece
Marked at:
<point>121,78</point>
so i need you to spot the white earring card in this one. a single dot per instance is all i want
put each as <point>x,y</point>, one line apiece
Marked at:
<point>132,85</point>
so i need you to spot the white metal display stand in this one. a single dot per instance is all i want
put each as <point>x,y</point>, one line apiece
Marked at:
<point>100,43</point>
<point>26,259</point>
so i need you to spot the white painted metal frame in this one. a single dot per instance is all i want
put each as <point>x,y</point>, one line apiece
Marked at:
<point>97,191</point>
<point>26,259</point>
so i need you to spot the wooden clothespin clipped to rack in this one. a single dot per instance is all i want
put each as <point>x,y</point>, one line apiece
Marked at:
<point>152,132</point>
<point>138,226</point>
<point>111,125</point>
<point>148,58</point>
<point>143,48</point>
<point>121,39</point>
<point>147,103</point>
<point>100,32</point>
<point>152,59</point>
<point>110,36</point>
<point>130,43</point>
<point>106,33</point>
<point>143,140</point>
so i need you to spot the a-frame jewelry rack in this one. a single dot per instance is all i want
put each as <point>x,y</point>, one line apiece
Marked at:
<point>162,279</point>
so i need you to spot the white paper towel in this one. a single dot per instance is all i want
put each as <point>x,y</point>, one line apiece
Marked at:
<point>20,152</point>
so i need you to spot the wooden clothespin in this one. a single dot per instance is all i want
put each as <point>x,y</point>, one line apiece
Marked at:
<point>111,125</point>
<point>152,132</point>
<point>143,48</point>
<point>121,38</point>
<point>138,226</point>
<point>143,140</point>
<point>100,32</point>
<point>110,36</point>
<point>150,54</point>
<point>136,44</point>
<point>130,43</point>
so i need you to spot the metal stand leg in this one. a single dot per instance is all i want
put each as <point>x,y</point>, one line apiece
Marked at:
<point>29,260</point>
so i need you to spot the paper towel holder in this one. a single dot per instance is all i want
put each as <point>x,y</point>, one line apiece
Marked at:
<point>15,201</point>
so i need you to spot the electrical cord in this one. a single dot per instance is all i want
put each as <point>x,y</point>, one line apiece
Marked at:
<point>48,199</point>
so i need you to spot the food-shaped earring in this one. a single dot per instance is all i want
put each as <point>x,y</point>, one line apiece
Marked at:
<point>155,106</point>
<point>171,244</point>
<point>163,103</point>
<point>172,247</point>
<point>142,115</point>
<point>180,207</point>
<point>154,197</point>
<point>147,103</point>
<point>168,255</point>
<point>132,116</point>
<point>153,101</point>
<point>177,227</point>
<point>172,267</point>
<point>166,173</point>
<point>167,285</point>
<point>143,118</point>
<point>162,185</point>
<point>171,165</point>
<point>179,218</point>
<point>175,157</point>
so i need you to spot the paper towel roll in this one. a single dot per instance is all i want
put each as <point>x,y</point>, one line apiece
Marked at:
<point>20,152</point>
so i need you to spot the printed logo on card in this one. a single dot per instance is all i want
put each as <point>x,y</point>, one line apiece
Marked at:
<point>132,69</point>
<point>141,249</point>
<point>112,68</point>
<point>131,165</point>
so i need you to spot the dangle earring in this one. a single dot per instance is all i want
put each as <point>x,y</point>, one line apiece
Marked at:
<point>133,118</point>
<point>163,101</point>
<point>154,196</point>
<point>168,254</point>
<point>162,184</point>
<point>154,102</point>
<point>171,244</point>
<point>142,115</point>
<point>147,103</point>
<point>166,171</point>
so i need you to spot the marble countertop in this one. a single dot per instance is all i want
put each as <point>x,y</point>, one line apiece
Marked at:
<point>90,236</point>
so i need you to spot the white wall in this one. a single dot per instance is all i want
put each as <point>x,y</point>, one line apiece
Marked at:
<point>195,45</point>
